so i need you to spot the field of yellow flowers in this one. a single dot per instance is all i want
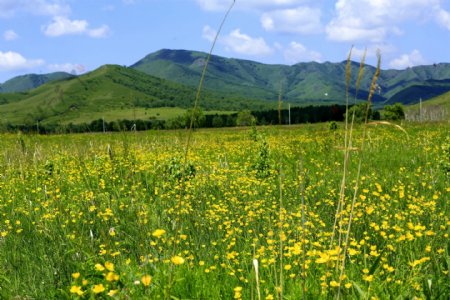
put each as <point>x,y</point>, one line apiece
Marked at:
<point>250,214</point>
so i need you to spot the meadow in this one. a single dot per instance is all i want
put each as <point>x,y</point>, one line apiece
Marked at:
<point>244,214</point>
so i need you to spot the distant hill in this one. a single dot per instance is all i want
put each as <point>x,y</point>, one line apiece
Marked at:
<point>107,90</point>
<point>169,79</point>
<point>435,109</point>
<point>303,83</point>
<point>28,82</point>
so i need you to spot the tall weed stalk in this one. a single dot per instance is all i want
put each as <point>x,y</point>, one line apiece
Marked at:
<point>178,227</point>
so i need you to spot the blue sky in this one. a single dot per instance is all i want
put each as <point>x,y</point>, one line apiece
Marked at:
<point>42,36</point>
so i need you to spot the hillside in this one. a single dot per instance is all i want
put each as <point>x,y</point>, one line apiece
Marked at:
<point>303,83</point>
<point>109,90</point>
<point>30,81</point>
<point>435,109</point>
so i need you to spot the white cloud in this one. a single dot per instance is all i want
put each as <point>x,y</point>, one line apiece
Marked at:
<point>443,18</point>
<point>415,58</point>
<point>238,42</point>
<point>10,35</point>
<point>294,20</point>
<point>64,26</point>
<point>296,52</point>
<point>375,20</point>
<point>244,44</point>
<point>67,67</point>
<point>15,61</point>
<point>217,5</point>
<point>209,33</point>
<point>9,8</point>
<point>100,32</point>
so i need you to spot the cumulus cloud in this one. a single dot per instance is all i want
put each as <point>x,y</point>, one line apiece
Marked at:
<point>10,35</point>
<point>14,61</point>
<point>293,20</point>
<point>64,26</point>
<point>244,44</point>
<point>375,20</point>
<point>8,8</point>
<point>209,33</point>
<point>443,18</point>
<point>217,5</point>
<point>240,43</point>
<point>67,67</point>
<point>296,52</point>
<point>415,58</point>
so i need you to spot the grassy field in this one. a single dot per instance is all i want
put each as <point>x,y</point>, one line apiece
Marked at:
<point>139,113</point>
<point>122,216</point>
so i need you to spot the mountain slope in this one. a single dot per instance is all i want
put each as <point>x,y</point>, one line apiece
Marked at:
<point>109,88</point>
<point>28,82</point>
<point>435,109</point>
<point>303,83</point>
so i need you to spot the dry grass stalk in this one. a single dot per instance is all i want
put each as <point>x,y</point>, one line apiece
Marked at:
<point>358,175</point>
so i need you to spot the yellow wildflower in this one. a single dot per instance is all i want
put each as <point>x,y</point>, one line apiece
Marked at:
<point>98,288</point>
<point>158,233</point>
<point>177,260</point>
<point>76,290</point>
<point>146,280</point>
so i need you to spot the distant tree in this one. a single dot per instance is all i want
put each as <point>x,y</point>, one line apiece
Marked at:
<point>196,116</point>
<point>394,112</point>
<point>217,121</point>
<point>360,111</point>
<point>245,118</point>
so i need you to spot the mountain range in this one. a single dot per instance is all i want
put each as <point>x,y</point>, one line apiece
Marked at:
<point>169,78</point>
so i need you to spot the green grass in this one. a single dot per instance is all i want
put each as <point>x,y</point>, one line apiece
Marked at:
<point>81,212</point>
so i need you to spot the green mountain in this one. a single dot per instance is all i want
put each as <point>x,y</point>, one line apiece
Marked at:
<point>303,83</point>
<point>28,82</point>
<point>110,90</point>
<point>164,84</point>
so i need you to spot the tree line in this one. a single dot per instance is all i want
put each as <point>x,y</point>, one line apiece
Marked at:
<point>198,119</point>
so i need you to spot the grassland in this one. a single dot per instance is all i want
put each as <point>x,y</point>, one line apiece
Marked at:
<point>121,216</point>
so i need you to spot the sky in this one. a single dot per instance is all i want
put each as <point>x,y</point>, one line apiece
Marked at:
<point>78,36</point>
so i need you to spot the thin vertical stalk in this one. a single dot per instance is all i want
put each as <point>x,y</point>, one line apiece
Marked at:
<point>202,79</point>
<point>167,293</point>
<point>358,175</point>
<point>281,220</point>
<point>346,148</point>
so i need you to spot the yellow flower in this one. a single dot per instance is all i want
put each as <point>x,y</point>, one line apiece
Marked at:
<point>109,266</point>
<point>158,233</point>
<point>76,275</point>
<point>146,280</point>
<point>324,258</point>
<point>112,293</point>
<point>99,267</point>
<point>177,260</point>
<point>368,278</point>
<point>98,288</point>
<point>76,290</point>
<point>287,267</point>
<point>111,276</point>
<point>334,283</point>
<point>348,285</point>
<point>237,289</point>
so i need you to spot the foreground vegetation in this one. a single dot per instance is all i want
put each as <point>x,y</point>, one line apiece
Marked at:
<point>123,216</point>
